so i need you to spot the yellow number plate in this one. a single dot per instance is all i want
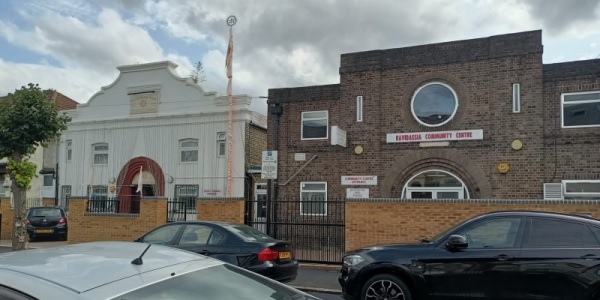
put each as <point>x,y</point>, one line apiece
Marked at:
<point>284,255</point>
<point>44,231</point>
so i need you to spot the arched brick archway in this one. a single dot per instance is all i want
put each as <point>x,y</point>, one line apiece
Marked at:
<point>442,159</point>
<point>126,191</point>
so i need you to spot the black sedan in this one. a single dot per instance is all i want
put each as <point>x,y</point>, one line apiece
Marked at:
<point>47,222</point>
<point>236,244</point>
<point>499,255</point>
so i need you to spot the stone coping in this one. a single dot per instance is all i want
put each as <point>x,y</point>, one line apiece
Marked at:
<point>481,201</point>
<point>221,199</point>
<point>92,214</point>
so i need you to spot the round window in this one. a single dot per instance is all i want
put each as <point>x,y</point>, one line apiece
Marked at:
<point>434,104</point>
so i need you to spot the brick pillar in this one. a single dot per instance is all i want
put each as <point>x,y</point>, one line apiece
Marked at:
<point>7,219</point>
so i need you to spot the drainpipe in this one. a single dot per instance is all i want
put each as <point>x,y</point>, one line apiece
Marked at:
<point>276,110</point>
<point>56,172</point>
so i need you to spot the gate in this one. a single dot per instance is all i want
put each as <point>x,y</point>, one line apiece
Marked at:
<point>176,211</point>
<point>315,227</point>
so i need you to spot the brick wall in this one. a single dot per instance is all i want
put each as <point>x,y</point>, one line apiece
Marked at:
<point>406,221</point>
<point>256,143</point>
<point>224,210</point>
<point>7,218</point>
<point>86,227</point>
<point>48,201</point>
<point>481,72</point>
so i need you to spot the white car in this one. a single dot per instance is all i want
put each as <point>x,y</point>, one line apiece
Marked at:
<point>123,270</point>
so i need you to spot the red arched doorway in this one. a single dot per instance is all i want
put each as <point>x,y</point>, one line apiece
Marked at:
<point>127,188</point>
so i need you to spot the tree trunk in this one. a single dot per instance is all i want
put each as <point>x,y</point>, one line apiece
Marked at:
<point>20,238</point>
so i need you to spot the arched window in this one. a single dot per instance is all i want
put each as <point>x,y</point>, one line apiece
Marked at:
<point>435,184</point>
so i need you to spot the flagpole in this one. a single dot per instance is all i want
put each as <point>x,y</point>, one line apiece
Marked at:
<point>231,20</point>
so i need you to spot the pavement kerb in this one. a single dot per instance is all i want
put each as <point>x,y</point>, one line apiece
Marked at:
<point>317,290</point>
<point>320,266</point>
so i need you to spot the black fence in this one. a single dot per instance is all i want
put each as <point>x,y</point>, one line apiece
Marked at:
<point>115,205</point>
<point>177,210</point>
<point>315,227</point>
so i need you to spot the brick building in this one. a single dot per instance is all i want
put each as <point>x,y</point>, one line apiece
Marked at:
<point>478,119</point>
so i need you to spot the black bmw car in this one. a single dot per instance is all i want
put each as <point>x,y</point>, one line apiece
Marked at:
<point>236,244</point>
<point>47,222</point>
<point>499,255</point>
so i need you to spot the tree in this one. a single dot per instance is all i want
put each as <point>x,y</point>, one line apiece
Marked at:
<point>28,119</point>
<point>198,73</point>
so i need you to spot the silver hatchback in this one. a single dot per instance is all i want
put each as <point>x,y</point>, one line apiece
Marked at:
<point>123,270</point>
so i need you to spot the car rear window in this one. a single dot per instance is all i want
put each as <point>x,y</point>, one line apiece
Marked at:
<point>222,282</point>
<point>248,233</point>
<point>45,212</point>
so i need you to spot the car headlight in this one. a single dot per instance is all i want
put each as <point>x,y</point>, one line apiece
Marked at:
<point>352,260</point>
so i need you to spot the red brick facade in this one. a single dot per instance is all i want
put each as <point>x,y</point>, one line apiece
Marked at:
<point>482,73</point>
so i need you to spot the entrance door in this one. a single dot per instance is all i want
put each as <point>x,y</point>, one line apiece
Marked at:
<point>260,207</point>
<point>434,193</point>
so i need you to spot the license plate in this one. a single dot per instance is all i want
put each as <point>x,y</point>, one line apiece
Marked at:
<point>44,231</point>
<point>284,255</point>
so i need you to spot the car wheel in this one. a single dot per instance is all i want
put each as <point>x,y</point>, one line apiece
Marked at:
<point>385,286</point>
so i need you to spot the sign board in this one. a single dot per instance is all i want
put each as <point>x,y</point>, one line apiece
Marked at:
<point>299,156</point>
<point>359,180</point>
<point>338,136</point>
<point>269,165</point>
<point>212,193</point>
<point>143,103</point>
<point>357,193</point>
<point>434,136</point>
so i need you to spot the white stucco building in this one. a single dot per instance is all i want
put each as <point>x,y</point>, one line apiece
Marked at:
<point>150,118</point>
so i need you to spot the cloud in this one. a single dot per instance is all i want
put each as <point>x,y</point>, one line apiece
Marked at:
<point>560,16</point>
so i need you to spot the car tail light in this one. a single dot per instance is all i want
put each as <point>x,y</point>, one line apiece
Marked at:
<point>62,221</point>
<point>268,254</point>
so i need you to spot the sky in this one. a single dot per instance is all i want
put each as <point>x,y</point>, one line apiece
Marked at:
<point>75,46</point>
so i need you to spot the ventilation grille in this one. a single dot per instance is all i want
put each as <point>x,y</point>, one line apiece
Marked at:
<point>553,191</point>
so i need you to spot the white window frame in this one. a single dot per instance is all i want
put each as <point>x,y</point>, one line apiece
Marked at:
<point>359,108</point>
<point>562,108</point>
<point>463,191</point>
<point>187,148</point>
<point>103,190</point>
<point>577,194</point>
<point>187,188</point>
<point>221,142</point>
<point>311,119</point>
<point>412,104</point>
<point>516,97</point>
<point>100,152</point>
<point>324,198</point>
<point>69,148</point>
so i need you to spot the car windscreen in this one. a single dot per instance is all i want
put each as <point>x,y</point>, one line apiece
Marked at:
<point>248,233</point>
<point>222,282</point>
<point>45,212</point>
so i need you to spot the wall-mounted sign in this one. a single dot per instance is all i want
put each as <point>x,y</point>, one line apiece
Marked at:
<point>357,193</point>
<point>359,180</point>
<point>456,135</point>
<point>143,103</point>
<point>299,156</point>
<point>338,136</point>
<point>212,193</point>
<point>269,165</point>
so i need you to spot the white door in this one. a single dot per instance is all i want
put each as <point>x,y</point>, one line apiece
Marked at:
<point>48,186</point>
<point>260,208</point>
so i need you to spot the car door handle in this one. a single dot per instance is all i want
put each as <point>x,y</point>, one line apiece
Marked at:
<point>590,256</point>
<point>504,257</point>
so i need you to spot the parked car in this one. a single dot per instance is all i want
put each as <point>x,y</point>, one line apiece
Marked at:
<point>236,244</point>
<point>498,255</point>
<point>125,270</point>
<point>47,222</point>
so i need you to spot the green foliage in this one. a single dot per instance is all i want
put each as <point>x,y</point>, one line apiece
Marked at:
<point>198,73</point>
<point>28,119</point>
<point>23,171</point>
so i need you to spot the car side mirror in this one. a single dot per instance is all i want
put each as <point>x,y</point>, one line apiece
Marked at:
<point>457,242</point>
<point>138,239</point>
